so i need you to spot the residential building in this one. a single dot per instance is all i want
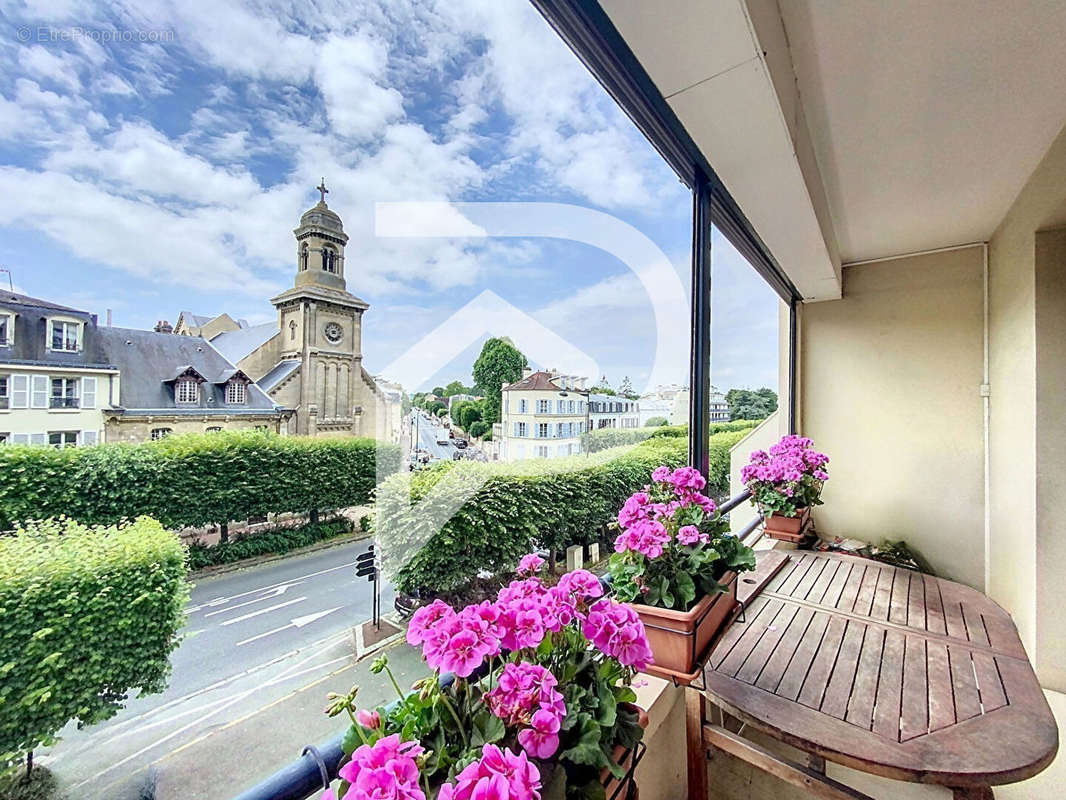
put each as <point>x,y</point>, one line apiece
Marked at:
<point>55,376</point>
<point>543,416</point>
<point>613,411</point>
<point>717,406</point>
<point>180,384</point>
<point>310,358</point>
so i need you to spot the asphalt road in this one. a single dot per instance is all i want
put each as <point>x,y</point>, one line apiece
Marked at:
<point>251,638</point>
<point>427,439</point>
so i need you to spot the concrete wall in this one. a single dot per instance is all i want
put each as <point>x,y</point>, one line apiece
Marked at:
<point>1027,473</point>
<point>120,429</point>
<point>891,375</point>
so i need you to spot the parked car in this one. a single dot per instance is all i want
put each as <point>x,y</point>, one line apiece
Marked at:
<point>460,443</point>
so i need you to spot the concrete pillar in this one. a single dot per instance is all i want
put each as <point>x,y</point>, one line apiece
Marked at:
<point>575,557</point>
<point>594,552</point>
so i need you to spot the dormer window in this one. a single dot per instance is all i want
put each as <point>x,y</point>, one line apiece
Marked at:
<point>7,330</point>
<point>187,391</point>
<point>236,393</point>
<point>65,336</point>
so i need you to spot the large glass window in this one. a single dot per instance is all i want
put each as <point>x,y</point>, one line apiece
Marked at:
<point>65,336</point>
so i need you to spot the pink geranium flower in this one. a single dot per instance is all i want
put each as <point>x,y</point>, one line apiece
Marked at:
<point>541,739</point>
<point>530,564</point>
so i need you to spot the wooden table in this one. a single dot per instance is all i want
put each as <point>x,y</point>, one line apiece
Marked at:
<point>884,670</point>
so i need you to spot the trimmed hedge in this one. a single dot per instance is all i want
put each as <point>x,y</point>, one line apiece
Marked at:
<point>86,615</point>
<point>513,508</point>
<point>606,438</point>
<point>280,540</point>
<point>192,479</point>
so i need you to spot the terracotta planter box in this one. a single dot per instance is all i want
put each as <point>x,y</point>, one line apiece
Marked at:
<point>554,777</point>
<point>679,638</point>
<point>779,523</point>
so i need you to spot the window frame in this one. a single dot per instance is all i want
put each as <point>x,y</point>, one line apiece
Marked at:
<point>181,384</point>
<point>62,443</point>
<point>233,386</point>
<point>79,334</point>
<point>158,434</point>
<point>69,397</point>
<point>8,318</point>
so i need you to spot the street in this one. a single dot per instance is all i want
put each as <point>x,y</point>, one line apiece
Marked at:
<point>427,432</point>
<point>269,640</point>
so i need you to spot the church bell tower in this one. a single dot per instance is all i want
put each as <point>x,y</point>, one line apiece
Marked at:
<point>320,241</point>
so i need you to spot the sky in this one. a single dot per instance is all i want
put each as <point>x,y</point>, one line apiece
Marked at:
<point>155,157</point>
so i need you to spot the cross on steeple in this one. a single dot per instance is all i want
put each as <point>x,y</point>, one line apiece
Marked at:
<point>323,190</point>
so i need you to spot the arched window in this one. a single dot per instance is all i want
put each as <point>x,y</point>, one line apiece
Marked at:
<point>329,259</point>
<point>303,256</point>
<point>161,433</point>
<point>292,330</point>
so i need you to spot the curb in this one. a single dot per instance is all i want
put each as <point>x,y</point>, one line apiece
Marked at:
<point>255,561</point>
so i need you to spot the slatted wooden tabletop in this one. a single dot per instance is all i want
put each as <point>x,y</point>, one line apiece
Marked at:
<point>888,671</point>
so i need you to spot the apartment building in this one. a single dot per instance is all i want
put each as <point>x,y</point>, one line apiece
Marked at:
<point>55,377</point>
<point>612,411</point>
<point>543,416</point>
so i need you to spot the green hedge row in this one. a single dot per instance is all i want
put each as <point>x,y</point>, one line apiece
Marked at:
<point>438,531</point>
<point>280,540</point>
<point>606,438</point>
<point>86,615</point>
<point>191,480</point>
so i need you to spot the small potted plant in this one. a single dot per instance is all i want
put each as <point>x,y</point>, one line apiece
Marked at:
<point>540,702</point>
<point>785,482</point>
<point>676,565</point>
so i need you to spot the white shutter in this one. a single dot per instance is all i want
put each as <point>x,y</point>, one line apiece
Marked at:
<point>38,438</point>
<point>20,438</point>
<point>39,395</point>
<point>20,393</point>
<point>88,394</point>
<point>88,438</point>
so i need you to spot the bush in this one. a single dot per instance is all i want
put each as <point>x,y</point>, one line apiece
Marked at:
<point>86,616</point>
<point>506,510</point>
<point>190,480</point>
<point>279,540</point>
<point>605,438</point>
<point>655,422</point>
<point>478,429</point>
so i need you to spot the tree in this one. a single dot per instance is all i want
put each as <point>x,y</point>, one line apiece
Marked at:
<point>479,429</point>
<point>500,362</point>
<point>439,391</point>
<point>655,422</point>
<point>470,414</point>
<point>456,387</point>
<point>626,388</point>
<point>749,404</point>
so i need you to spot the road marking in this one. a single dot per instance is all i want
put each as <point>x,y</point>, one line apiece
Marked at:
<point>224,599</point>
<point>263,611</point>
<point>297,622</point>
<point>270,593</point>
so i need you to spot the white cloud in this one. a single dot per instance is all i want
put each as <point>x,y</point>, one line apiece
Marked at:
<point>59,69</point>
<point>347,74</point>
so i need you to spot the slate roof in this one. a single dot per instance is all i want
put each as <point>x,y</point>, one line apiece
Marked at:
<point>149,361</point>
<point>280,372</point>
<point>196,320</point>
<point>239,344</point>
<point>30,335</point>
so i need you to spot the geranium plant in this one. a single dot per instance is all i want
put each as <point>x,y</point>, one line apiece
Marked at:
<point>673,545</point>
<point>788,477</point>
<point>538,675</point>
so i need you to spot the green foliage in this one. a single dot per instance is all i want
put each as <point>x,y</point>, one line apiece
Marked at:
<point>755,404</point>
<point>457,387</point>
<point>468,414</point>
<point>86,616</point>
<point>616,437</point>
<point>279,540</point>
<point>510,510</point>
<point>500,362</point>
<point>191,480</point>
<point>478,429</point>
<point>655,422</point>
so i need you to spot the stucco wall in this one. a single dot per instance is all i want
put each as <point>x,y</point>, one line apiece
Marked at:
<point>119,429</point>
<point>1027,344</point>
<point>890,390</point>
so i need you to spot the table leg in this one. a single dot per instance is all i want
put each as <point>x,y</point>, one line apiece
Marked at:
<point>972,793</point>
<point>695,712</point>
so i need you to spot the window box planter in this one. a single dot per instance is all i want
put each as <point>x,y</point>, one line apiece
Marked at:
<point>680,639</point>
<point>789,529</point>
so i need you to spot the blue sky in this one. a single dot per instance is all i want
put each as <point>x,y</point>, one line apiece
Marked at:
<point>155,157</point>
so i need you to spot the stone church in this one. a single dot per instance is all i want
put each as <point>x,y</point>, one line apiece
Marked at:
<point>309,360</point>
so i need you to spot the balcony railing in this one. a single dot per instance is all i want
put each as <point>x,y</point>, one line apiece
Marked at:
<point>64,402</point>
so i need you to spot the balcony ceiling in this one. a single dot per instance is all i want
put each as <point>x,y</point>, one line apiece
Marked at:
<point>860,129</point>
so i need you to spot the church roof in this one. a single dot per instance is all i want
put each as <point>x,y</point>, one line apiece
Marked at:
<point>234,346</point>
<point>280,371</point>
<point>148,362</point>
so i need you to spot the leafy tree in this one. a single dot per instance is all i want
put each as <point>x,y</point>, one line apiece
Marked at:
<point>435,407</point>
<point>469,415</point>
<point>751,404</point>
<point>439,391</point>
<point>441,410</point>
<point>500,362</point>
<point>456,387</point>
<point>655,422</point>
<point>479,429</point>
<point>627,387</point>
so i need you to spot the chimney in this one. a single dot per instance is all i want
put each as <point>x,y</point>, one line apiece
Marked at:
<point>109,318</point>
<point>163,326</point>
<point>527,371</point>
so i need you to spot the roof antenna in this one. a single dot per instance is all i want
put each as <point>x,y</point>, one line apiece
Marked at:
<point>10,285</point>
